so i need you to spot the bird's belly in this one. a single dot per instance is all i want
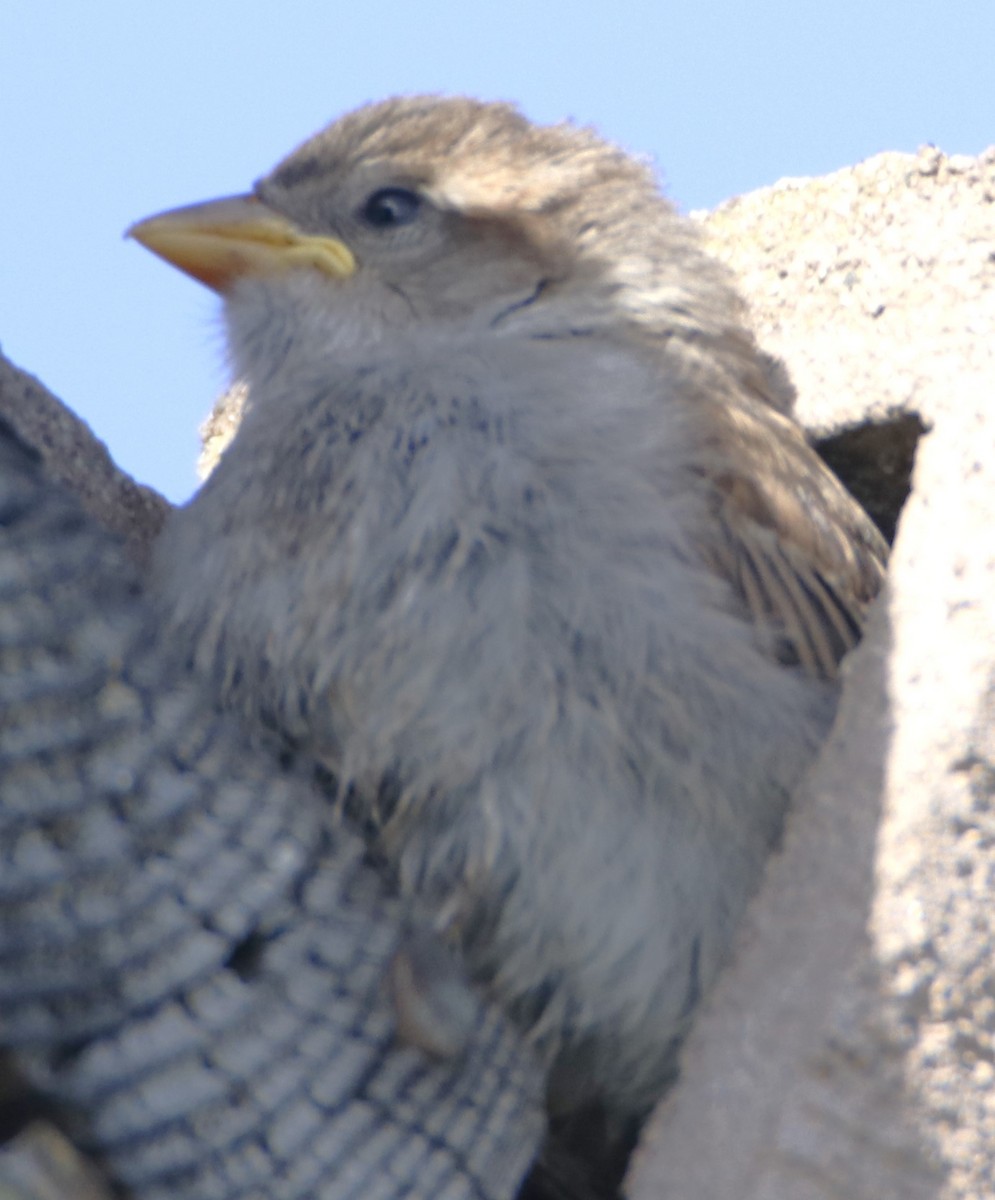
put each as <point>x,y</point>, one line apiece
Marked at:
<point>573,756</point>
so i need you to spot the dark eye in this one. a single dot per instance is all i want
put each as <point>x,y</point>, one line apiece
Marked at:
<point>390,207</point>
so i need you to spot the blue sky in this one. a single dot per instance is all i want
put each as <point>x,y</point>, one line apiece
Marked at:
<point>110,111</point>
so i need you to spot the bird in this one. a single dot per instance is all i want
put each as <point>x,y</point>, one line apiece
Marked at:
<point>519,540</point>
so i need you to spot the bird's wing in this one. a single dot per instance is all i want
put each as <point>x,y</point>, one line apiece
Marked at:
<point>801,554</point>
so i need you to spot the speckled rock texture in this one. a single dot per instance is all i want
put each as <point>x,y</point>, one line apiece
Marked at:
<point>870,283</point>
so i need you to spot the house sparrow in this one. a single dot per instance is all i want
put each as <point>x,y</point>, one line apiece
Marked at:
<point>518,538</point>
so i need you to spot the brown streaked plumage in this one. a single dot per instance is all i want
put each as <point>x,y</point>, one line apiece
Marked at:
<point>519,538</point>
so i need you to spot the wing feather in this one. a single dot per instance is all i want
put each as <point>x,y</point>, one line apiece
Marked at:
<point>800,553</point>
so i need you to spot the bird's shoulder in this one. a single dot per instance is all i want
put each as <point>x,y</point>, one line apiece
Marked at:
<point>799,552</point>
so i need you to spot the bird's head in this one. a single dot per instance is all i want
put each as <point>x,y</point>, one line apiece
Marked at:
<point>427,210</point>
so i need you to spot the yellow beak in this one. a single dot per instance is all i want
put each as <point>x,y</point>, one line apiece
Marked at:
<point>221,241</point>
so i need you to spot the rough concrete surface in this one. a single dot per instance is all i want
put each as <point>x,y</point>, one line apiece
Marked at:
<point>850,1049</point>
<point>859,279</point>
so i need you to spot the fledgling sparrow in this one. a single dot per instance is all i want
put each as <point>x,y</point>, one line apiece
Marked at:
<point>518,538</point>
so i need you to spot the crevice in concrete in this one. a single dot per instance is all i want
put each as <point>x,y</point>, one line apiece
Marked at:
<point>875,460</point>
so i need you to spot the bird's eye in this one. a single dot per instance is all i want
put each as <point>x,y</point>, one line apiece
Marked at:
<point>390,207</point>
